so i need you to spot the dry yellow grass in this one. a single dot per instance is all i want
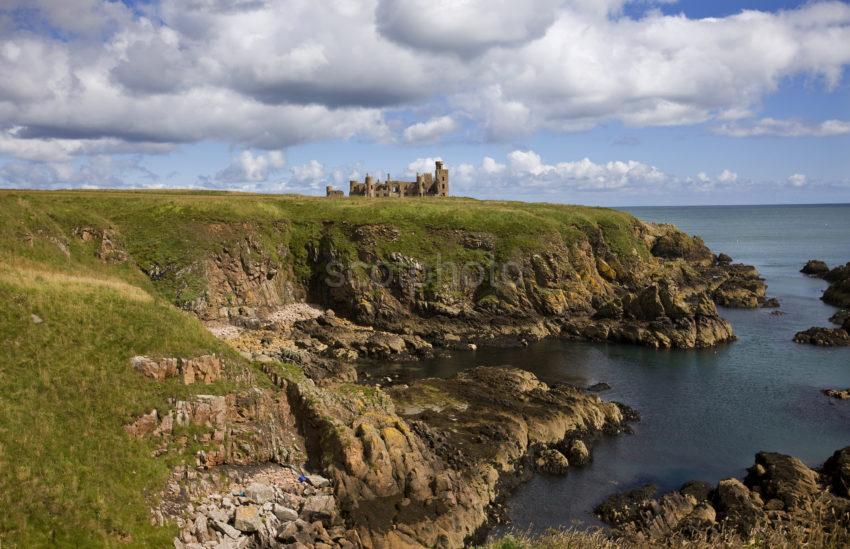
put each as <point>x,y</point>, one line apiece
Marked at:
<point>39,279</point>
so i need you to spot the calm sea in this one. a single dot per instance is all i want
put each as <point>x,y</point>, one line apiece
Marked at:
<point>705,413</point>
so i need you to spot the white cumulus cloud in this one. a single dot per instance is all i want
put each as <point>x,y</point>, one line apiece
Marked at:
<point>797,180</point>
<point>81,78</point>
<point>430,130</point>
<point>727,176</point>
<point>252,167</point>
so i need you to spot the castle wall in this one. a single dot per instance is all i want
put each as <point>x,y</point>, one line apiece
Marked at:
<point>426,184</point>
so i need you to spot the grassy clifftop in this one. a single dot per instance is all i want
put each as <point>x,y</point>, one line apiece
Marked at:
<point>73,313</point>
<point>172,230</point>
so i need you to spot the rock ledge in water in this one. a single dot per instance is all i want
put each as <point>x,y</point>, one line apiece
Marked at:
<point>816,268</point>
<point>777,490</point>
<point>824,337</point>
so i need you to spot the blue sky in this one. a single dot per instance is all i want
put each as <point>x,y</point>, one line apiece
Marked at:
<point>610,102</point>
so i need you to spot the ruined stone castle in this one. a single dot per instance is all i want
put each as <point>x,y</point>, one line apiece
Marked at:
<point>426,184</point>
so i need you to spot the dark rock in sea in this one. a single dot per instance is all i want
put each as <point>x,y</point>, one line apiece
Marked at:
<point>824,337</point>
<point>599,387</point>
<point>624,508</point>
<point>816,268</point>
<point>838,273</point>
<point>837,393</point>
<point>838,293</point>
<point>777,313</point>
<point>629,414</point>
<point>723,259</point>
<point>840,317</point>
<point>771,303</point>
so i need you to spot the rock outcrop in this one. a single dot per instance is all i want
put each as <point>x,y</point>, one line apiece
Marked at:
<point>419,465</point>
<point>661,297</point>
<point>566,292</point>
<point>108,241</point>
<point>203,369</point>
<point>824,337</point>
<point>255,426</point>
<point>815,268</point>
<point>777,490</point>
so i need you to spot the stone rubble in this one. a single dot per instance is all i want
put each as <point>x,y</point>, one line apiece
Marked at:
<point>263,507</point>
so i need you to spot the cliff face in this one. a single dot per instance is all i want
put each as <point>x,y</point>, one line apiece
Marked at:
<point>628,281</point>
<point>481,272</point>
<point>660,293</point>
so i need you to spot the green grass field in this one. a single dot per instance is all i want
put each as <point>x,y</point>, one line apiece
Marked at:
<point>69,475</point>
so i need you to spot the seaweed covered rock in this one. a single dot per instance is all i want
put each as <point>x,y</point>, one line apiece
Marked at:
<point>839,394</point>
<point>838,292</point>
<point>578,453</point>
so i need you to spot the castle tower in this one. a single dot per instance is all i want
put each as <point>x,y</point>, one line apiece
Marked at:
<point>420,184</point>
<point>441,175</point>
<point>370,186</point>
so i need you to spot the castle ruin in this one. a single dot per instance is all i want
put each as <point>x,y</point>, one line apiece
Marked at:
<point>426,184</point>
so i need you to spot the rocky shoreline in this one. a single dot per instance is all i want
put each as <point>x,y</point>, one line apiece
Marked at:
<point>778,491</point>
<point>838,295</point>
<point>417,465</point>
<point>423,463</point>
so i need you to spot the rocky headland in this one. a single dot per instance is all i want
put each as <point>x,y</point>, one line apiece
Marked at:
<point>662,293</point>
<point>275,439</point>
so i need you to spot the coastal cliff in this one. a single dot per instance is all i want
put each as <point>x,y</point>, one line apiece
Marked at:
<point>110,293</point>
<point>485,272</point>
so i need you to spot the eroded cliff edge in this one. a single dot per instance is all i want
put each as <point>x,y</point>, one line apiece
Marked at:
<point>452,273</point>
<point>416,465</point>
